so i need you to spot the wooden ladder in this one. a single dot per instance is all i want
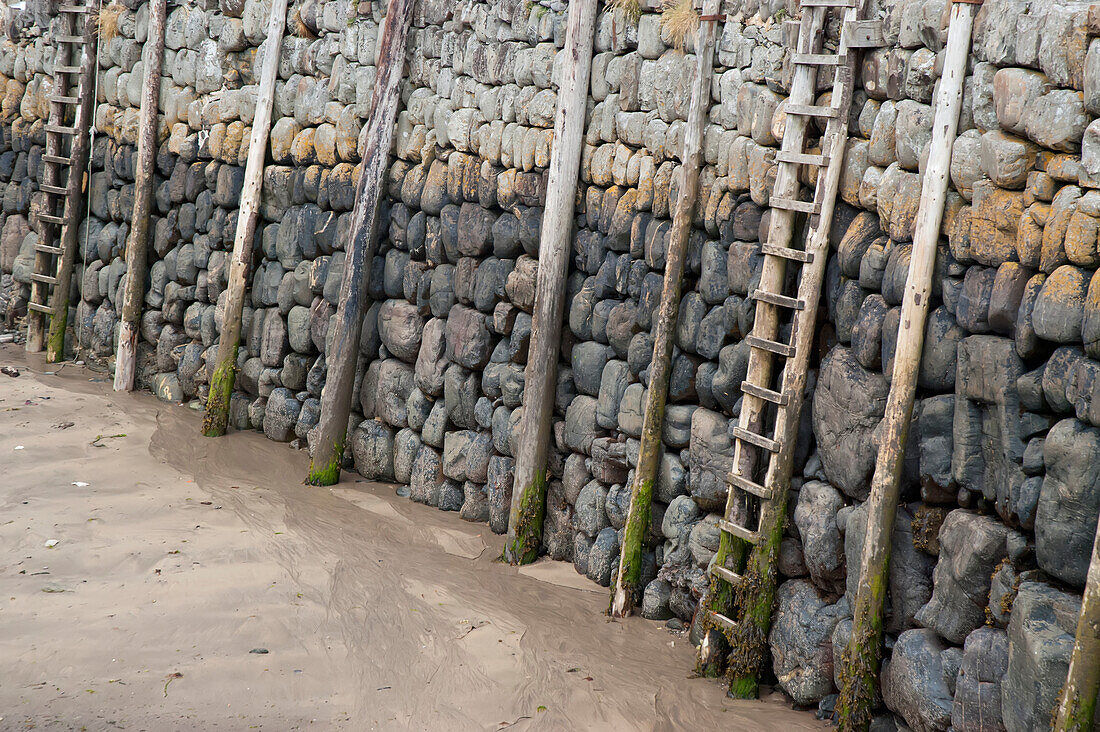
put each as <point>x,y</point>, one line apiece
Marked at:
<point>63,163</point>
<point>773,388</point>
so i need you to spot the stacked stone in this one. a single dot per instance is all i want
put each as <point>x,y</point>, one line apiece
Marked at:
<point>1000,486</point>
<point>454,281</point>
<point>641,89</point>
<point>1003,417</point>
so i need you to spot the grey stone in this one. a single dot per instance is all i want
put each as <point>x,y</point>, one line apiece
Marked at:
<point>427,476</point>
<point>848,404</point>
<point>280,415</point>
<point>399,326</point>
<point>499,491</point>
<point>977,703</point>
<point>710,454</point>
<point>801,642</point>
<point>822,546</point>
<point>395,383</point>
<point>468,338</point>
<point>655,600</point>
<point>970,546</point>
<point>1040,641</point>
<point>590,515</point>
<point>1068,501</point>
<point>372,447</point>
<point>913,683</point>
<point>603,556</point>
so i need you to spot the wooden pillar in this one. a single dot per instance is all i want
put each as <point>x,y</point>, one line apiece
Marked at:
<point>336,397</point>
<point>649,456</point>
<point>864,649</point>
<point>74,195</point>
<point>555,248</point>
<point>216,417</point>
<point>137,244</point>
<point>1077,702</point>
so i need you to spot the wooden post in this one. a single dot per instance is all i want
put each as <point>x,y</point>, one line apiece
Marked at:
<point>137,245</point>
<point>74,195</point>
<point>328,449</point>
<point>641,491</point>
<point>555,248</point>
<point>864,649</point>
<point>1077,702</point>
<point>216,417</point>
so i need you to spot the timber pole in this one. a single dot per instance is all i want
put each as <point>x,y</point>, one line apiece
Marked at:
<point>1077,702</point>
<point>649,456</point>
<point>555,245</point>
<point>336,397</point>
<point>216,417</point>
<point>74,194</point>
<point>137,245</point>
<point>864,648</point>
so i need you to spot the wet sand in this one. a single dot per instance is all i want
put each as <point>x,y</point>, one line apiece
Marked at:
<point>178,556</point>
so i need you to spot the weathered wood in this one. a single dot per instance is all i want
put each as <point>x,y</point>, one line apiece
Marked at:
<point>864,649</point>
<point>731,550</point>
<point>43,259</point>
<point>342,355</point>
<point>649,456</point>
<point>754,620</point>
<point>1077,702</point>
<point>74,194</point>
<point>555,248</point>
<point>216,416</point>
<point>137,244</point>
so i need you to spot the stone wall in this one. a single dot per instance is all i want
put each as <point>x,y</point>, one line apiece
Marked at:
<point>1002,484</point>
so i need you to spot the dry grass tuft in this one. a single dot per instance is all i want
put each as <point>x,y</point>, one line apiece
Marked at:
<point>108,20</point>
<point>300,28</point>
<point>680,21</point>
<point>631,9</point>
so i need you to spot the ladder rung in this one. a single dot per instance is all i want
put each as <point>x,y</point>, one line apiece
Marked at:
<point>60,160</point>
<point>772,346</point>
<point>64,100</point>
<point>760,441</point>
<point>69,39</point>
<point>72,9</point>
<point>723,621</point>
<point>739,531</point>
<point>828,3</point>
<point>46,309</point>
<point>787,253</point>
<point>789,204</point>
<point>818,59</point>
<point>811,110</point>
<point>47,249</point>
<point>67,69</point>
<point>44,279</point>
<point>785,156</point>
<point>749,486</point>
<point>56,190</point>
<point>767,395</point>
<point>728,575</point>
<point>778,300</point>
<point>61,129</point>
<point>51,219</point>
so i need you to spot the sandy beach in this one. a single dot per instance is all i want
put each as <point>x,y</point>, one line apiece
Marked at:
<point>152,579</point>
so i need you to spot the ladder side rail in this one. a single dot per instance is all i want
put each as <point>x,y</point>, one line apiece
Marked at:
<point>755,606</point>
<point>780,233</point>
<point>51,176</point>
<point>79,154</point>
